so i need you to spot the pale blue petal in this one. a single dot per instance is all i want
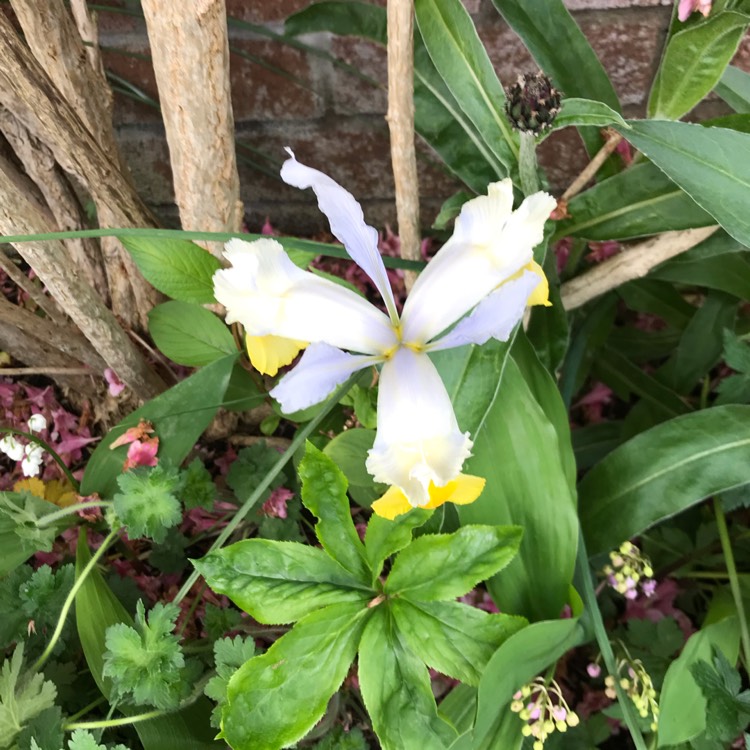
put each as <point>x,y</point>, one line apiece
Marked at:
<point>316,376</point>
<point>347,222</point>
<point>494,317</point>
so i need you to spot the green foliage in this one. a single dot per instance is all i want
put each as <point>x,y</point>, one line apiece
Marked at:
<point>196,489</point>
<point>364,403</point>
<point>338,739</point>
<point>82,739</point>
<point>341,607</point>
<point>147,502</point>
<point>145,662</point>
<point>43,732</point>
<point>22,697</point>
<point>736,388</point>
<point>249,469</point>
<point>229,655</point>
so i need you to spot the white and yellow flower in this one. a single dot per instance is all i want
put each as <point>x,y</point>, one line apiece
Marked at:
<point>486,270</point>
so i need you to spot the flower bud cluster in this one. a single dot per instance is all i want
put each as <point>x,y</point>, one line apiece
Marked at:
<point>532,103</point>
<point>636,682</point>
<point>30,455</point>
<point>630,571</point>
<point>544,710</point>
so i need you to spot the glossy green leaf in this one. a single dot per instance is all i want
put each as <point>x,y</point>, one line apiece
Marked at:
<point>324,495</point>
<point>712,165</point>
<point>518,451</point>
<point>189,334</point>
<point>179,416</point>
<point>663,471</point>
<point>728,273</point>
<point>273,700</point>
<point>562,51</point>
<point>461,59</point>
<point>349,450</point>
<point>177,268</point>
<point>515,663</point>
<point>451,637</point>
<point>638,202</point>
<point>682,705</point>
<point>280,582</point>
<point>396,689</point>
<point>580,112</point>
<point>734,89</point>
<point>96,609</point>
<point>445,566</point>
<point>693,62</point>
<point>384,538</point>
<point>594,441</point>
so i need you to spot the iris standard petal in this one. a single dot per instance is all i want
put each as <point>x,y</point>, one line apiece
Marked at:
<point>494,317</point>
<point>489,245</point>
<point>418,440</point>
<point>317,374</point>
<point>347,223</point>
<point>269,295</point>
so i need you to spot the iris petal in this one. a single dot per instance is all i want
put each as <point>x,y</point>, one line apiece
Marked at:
<point>269,353</point>
<point>347,223</point>
<point>418,440</point>
<point>269,295</point>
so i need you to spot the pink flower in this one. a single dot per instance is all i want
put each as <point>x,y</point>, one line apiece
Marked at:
<point>268,228</point>
<point>688,7</point>
<point>602,250</point>
<point>116,386</point>
<point>142,453</point>
<point>562,252</point>
<point>275,506</point>
<point>594,670</point>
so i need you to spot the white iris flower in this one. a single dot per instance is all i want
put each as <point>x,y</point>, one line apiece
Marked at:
<point>486,270</point>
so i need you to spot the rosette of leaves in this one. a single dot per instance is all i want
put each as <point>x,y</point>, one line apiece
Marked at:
<point>399,624</point>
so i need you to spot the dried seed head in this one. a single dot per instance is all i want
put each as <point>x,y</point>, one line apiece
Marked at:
<point>532,103</point>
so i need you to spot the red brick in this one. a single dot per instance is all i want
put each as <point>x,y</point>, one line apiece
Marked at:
<point>262,94</point>
<point>116,21</point>
<point>147,156</point>
<point>133,63</point>
<point>612,4</point>
<point>260,11</point>
<point>562,156</point>
<point>349,93</point>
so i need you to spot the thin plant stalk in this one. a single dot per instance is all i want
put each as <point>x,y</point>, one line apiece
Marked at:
<point>70,510</point>
<point>48,449</point>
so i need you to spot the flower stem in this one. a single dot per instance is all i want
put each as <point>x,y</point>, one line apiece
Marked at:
<point>70,510</point>
<point>602,639</point>
<point>71,598</point>
<point>283,460</point>
<point>527,166</point>
<point>734,582</point>
<point>106,723</point>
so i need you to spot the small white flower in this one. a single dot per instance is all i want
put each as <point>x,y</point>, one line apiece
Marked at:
<point>32,460</point>
<point>11,447</point>
<point>37,423</point>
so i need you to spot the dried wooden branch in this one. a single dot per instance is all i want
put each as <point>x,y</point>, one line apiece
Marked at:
<point>612,139</point>
<point>190,52</point>
<point>26,371</point>
<point>400,119</point>
<point>22,281</point>
<point>96,322</point>
<point>633,263</point>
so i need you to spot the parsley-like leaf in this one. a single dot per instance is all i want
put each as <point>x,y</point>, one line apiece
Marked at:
<point>82,739</point>
<point>147,503</point>
<point>22,697</point>
<point>229,655</point>
<point>146,662</point>
<point>251,465</point>
<point>197,489</point>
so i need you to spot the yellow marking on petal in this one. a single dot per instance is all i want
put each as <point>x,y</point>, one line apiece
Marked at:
<point>540,295</point>
<point>269,353</point>
<point>462,490</point>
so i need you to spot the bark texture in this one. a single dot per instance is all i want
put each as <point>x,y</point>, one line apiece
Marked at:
<point>190,51</point>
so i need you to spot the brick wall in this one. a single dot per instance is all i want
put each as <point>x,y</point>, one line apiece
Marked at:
<point>335,121</point>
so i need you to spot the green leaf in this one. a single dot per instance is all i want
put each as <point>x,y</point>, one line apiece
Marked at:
<point>197,489</point>
<point>516,662</point>
<point>461,59</point>
<point>444,566</point>
<point>638,202</point>
<point>396,689</point>
<point>384,538</point>
<point>242,392</point>
<point>189,334</point>
<point>729,272</point>
<point>693,62</point>
<point>663,471</point>
<point>586,112</point>
<point>280,582</point>
<point>594,441</point>
<point>179,417</point>
<point>22,696</point>
<point>734,89</point>
<point>736,388</point>
<point>453,638</point>
<point>276,698</point>
<point>229,655</point>
<point>177,268</point>
<point>682,705</point>
<point>324,495</point>
<point>659,298</point>
<point>250,467</point>
<point>348,450</point>
<point>712,165</point>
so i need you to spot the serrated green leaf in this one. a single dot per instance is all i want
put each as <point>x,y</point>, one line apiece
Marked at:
<point>179,417</point>
<point>229,655</point>
<point>189,334</point>
<point>396,689</point>
<point>444,566</point>
<point>662,471</point>
<point>44,731</point>
<point>453,638</point>
<point>276,698</point>
<point>280,582</point>
<point>177,268</point>
<point>324,495</point>
<point>693,62</point>
<point>384,538</point>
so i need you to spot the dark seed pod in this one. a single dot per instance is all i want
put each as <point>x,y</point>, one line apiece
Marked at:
<point>532,103</point>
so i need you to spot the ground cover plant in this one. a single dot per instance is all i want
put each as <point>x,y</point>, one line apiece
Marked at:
<point>482,489</point>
